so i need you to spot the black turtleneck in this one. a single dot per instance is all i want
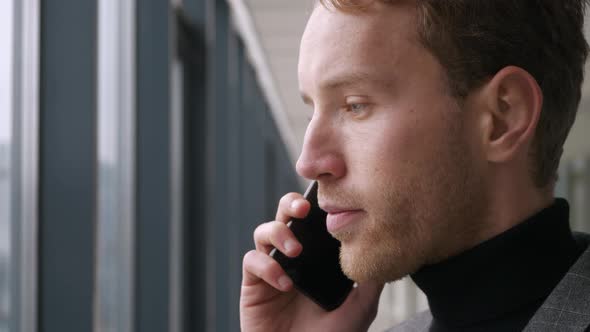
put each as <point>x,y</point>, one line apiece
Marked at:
<point>499,284</point>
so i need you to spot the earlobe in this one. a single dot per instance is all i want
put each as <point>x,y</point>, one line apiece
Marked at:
<point>515,101</point>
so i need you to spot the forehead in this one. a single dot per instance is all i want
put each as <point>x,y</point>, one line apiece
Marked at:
<point>335,41</point>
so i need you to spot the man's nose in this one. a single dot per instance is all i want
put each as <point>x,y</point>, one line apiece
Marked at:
<point>321,158</point>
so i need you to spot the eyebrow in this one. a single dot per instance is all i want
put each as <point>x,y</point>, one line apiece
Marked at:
<point>347,80</point>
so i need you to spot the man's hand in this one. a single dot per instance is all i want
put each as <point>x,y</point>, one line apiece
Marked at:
<point>268,300</point>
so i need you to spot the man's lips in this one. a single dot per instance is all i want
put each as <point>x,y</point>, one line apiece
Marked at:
<point>339,219</point>
<point>334,207</point>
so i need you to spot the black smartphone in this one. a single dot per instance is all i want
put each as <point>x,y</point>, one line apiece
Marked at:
<point>316,272</point>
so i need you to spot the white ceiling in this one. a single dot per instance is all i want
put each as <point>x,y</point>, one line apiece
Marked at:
<point>280,24</point>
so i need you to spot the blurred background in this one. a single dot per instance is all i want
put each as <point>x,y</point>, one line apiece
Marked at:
<point>141,142</point>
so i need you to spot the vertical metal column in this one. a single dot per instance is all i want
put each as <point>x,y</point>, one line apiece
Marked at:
<point>211,165</point>
<point>153,165</point>
<point>234,182</point>
<point>25,184</point>
<point>192,50</point>
<point>219,217</point>
<point>67,165</point>
<point>177,158</point>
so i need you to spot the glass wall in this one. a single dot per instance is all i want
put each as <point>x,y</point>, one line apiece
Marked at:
<point>6,109</point>
<point>113,308</point>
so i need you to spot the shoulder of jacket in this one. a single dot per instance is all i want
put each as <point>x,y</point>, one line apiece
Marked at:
<point>582,239</point>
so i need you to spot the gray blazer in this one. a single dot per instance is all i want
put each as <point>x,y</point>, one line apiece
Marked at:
<point>566,309</point>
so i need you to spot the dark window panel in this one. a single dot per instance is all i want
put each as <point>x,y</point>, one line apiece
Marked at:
<point>153,162</point>
<point>67,165</point>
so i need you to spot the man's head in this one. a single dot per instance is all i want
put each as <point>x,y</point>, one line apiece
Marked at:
<point>426,111</point>
<point>473,40</point>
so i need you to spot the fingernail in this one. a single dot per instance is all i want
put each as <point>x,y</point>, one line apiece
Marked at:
<point>290,245</point>
<point>295,204</point>
<point>284,282</point>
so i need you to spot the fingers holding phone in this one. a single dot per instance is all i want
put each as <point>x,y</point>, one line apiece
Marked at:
<point>276,234</point>
<point>293,280</point>
<point>292,205</point>
<point>315,272</point>
<point>261,267</point>
<point>266,288</point>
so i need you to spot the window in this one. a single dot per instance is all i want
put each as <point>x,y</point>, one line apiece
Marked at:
<point>6,109</point>
<point>113,310</point>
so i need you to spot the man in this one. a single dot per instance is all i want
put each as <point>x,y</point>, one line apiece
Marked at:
<point>436,134</point>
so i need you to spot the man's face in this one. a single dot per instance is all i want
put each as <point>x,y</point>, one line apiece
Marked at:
<point>387,142</point>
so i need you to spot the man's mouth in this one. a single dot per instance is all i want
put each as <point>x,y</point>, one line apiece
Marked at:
<point>341,219</point>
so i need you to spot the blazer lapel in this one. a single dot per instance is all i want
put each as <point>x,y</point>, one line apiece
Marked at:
<point>568,306</point>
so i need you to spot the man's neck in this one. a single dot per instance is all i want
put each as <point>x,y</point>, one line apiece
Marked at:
<point>505,279</point>
<point>511,201</point>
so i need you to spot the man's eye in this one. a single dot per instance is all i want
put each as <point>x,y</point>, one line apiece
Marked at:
<point>357,108</point>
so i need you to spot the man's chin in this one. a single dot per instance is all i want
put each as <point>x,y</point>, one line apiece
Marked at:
<point>362,264</point>
<point>354,264</point>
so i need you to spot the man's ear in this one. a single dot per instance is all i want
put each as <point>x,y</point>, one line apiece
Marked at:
<point>513,102</point>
